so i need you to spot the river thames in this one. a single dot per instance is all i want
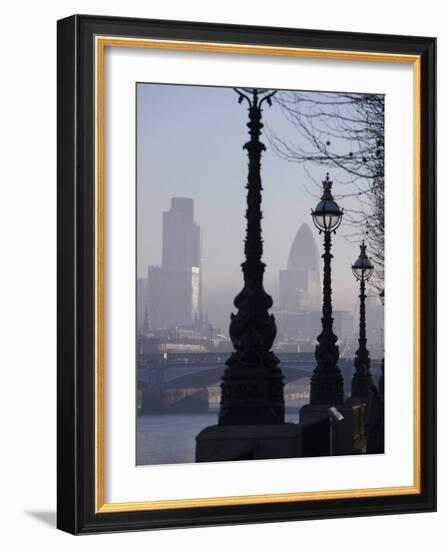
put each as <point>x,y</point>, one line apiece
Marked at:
<point>170,438</point>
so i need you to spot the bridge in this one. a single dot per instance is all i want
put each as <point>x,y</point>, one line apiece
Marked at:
<point>199,370</point>
<point>188,376</point>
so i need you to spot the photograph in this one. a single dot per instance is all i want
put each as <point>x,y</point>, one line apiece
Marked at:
<point>260,273</point>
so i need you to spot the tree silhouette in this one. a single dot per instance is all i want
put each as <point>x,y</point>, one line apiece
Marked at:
<point>343,130</point>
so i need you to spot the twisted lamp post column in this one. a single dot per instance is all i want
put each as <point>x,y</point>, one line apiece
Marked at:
<point>362,380</point>
<point>326,381</point>
<point>252,385</point>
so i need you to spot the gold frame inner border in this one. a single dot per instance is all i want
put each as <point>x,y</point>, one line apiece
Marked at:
<point>101,43</point>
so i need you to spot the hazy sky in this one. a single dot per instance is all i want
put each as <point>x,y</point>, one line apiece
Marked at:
<point>189,144</point>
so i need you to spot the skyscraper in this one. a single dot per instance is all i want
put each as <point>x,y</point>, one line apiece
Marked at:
<point>181,247</point>
<point>175,287</point>
<point>300,289</point>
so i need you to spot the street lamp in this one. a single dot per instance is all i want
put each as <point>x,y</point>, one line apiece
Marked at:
<point>362,270</point>
<point>326,381</point>
<point>252,385</point>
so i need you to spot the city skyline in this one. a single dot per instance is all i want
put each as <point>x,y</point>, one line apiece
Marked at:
<point>171,294</point>
<point>189,144</point>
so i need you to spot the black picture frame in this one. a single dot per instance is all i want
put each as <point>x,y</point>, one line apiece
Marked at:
<point>76,286</point>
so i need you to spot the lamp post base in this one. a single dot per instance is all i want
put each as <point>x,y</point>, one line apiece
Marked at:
<point>247,442</point>
<point>348,431</point>
<point>252,394</point>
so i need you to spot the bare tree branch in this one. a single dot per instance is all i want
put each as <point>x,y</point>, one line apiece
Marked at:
<point>343,130</point>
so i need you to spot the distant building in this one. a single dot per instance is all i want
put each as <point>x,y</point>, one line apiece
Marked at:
<point>174,289</point>
<point>299,331</point>
<point>375,329</point>
<point>300,289</point>
<point>181,240</point>
<point>293,326</point>
<point>142,300</point>
<point>145,327</point>
<point>146,341</point>
<point>173,296</point>
<point>298,315</point>
<point>198,337</point>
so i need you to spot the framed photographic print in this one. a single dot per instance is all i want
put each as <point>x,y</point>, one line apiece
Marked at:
<point>246,274</point>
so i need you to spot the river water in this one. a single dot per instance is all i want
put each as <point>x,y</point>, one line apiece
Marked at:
<point>170,438</point>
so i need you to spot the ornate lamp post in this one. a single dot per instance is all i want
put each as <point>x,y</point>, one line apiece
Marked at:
<point>326,381</point>
<point>252,385</point>
<point>362,270</point>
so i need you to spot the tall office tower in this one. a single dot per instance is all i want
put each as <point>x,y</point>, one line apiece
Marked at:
<point>173,296</point>
<point>175,287</point>
<point>300,289</point>
<point>181,246</point>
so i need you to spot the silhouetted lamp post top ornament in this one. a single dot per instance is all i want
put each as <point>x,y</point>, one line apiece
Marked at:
<point>252,385</point>
<point>326,382</point>
<point>362,269</point>
<point>327,216</point>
